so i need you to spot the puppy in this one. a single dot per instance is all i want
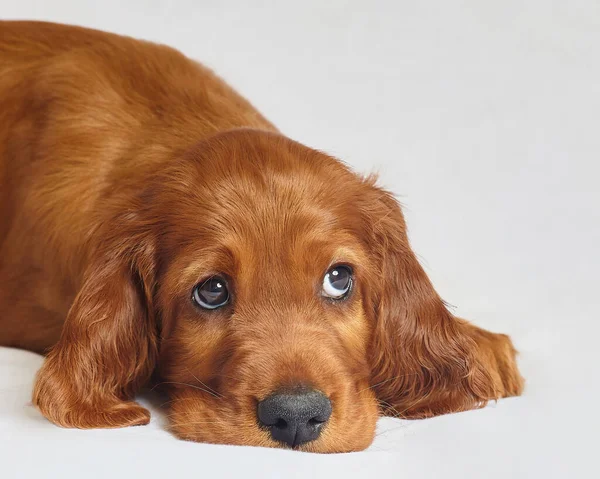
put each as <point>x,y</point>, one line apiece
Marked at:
<point>153,223</point>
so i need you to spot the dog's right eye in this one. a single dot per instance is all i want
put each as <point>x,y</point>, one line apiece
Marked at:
<point>337,282</point>
<point>212,293</point>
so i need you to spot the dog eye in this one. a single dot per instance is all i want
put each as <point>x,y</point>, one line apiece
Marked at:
<point>337,282</point>
<point>211,294</point>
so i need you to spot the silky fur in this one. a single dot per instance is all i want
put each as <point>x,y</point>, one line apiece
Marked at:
<point>128,174</point>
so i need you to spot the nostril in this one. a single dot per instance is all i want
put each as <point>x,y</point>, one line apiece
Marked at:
<point>315,422</point>
<point>280,424</point>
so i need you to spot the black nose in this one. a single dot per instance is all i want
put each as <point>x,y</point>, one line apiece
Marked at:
<point>295,417</point>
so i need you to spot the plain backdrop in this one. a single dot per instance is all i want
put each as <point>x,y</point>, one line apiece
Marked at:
<point>484,118</point>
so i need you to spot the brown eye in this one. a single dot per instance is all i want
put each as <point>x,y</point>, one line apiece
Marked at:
<point>211,294</point>
<point>337,282</point>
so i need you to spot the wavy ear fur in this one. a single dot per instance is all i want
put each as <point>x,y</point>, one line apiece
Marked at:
<point>108,346</point>
<point>426,361</point>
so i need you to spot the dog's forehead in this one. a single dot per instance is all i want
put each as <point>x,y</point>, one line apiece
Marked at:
<point>264,204</point>
<point>264,183</point>
<point>259,157</point>
<point>277,232</point>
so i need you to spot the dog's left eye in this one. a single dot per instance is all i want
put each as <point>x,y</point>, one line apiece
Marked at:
<point>337,282</point>
<point>211,294</point>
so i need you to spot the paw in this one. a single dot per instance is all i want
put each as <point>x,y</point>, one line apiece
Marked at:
<point>57,400</point>
<point>98,416</point>
<point>82,405</point>
<point>121,414</point>
<point>505,356</point>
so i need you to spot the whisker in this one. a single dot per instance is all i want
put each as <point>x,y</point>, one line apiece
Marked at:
<point>181,424</point>
<point>186,384</point>
<point>388,406</point>
<point>382,433</point>
<point>387,380</point>
<point>177,399</point>
<point>219,375</point>
<point>414,403</point>
<point>207,387</point>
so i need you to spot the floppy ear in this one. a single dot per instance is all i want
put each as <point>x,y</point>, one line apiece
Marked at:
<point>426,361</point>
<point>108,345</point>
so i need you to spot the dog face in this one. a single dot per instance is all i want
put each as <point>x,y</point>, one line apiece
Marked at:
<point>266,316</point>
<point>277,297</point>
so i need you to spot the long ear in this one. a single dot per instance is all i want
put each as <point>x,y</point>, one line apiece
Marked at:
<point>107,349</point>
<point>426,361</point>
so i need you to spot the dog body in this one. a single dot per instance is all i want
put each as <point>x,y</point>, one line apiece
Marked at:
<point>80,111</point>
<point>137,188</point>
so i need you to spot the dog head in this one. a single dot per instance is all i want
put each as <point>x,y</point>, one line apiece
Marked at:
<point>278,299</point>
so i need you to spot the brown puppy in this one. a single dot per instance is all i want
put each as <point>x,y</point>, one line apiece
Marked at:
<point>151,220</point>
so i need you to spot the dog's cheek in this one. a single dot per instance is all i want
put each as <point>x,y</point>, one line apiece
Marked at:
<point>358,407</point>
<point>366,414</point>
<point>205,405</point>
<point>353,332</point>
<point>352,427</point>
<point>193,352</point>
<point>197,417</point>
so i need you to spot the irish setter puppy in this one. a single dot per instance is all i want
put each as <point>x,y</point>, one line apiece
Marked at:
<point>154,227</point>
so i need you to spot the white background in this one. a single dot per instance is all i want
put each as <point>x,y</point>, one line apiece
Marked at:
<point>484,118</point>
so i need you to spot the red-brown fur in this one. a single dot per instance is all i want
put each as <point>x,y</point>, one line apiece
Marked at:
<point>128,173</point>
